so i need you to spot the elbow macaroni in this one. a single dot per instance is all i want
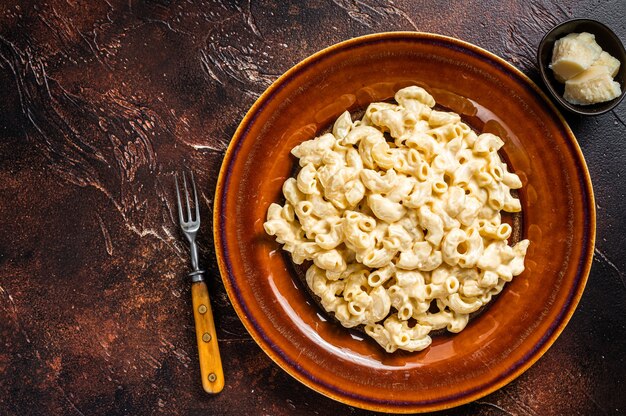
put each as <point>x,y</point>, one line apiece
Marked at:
<point>395,227</point>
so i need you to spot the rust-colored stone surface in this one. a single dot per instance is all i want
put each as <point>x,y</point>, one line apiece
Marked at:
<point>102,101</point>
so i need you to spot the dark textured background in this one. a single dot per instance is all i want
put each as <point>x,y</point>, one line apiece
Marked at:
<point>101,101</point>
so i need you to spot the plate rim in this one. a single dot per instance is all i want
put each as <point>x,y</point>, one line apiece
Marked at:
<point>479,392</point>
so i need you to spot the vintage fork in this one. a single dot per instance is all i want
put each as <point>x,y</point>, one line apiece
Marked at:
<point>208,350</point>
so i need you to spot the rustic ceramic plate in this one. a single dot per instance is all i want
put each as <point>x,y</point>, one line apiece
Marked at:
<point>558,218</point>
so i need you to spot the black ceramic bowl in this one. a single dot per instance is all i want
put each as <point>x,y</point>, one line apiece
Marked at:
<point>609,42</point>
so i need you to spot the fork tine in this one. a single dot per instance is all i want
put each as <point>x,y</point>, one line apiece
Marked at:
<point>195,197</point>
<point>187,202</point>
<point>180,206</point>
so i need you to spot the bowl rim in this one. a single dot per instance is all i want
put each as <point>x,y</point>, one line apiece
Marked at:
<point>543,70</point>
<point>265,344</point>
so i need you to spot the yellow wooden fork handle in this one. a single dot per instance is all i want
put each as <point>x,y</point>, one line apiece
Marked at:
<point>208,350</point>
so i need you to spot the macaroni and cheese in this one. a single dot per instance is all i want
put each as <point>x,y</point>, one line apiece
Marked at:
<point>399,213</point>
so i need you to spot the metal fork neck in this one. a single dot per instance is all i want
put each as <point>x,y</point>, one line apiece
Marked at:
<point>196,274</point>
<point>193,251</point>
